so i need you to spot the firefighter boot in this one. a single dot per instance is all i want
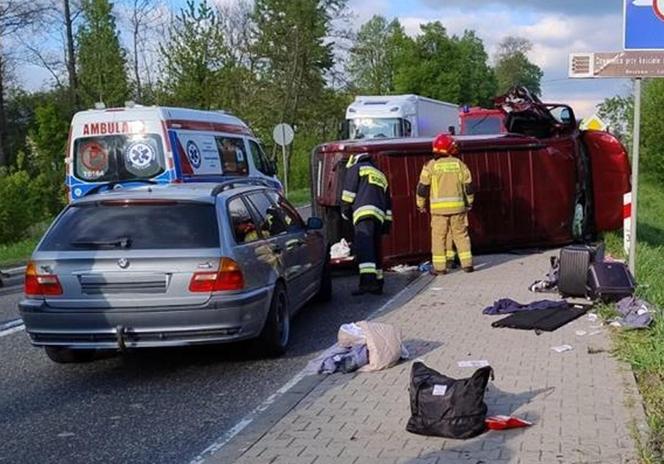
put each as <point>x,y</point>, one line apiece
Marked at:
<point>368,284</point>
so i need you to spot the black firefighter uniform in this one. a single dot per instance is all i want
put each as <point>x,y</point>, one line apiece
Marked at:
<point>446,183</point>
<point>366,192</point>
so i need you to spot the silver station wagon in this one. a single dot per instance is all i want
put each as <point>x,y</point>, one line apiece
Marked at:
<point>173,265</point>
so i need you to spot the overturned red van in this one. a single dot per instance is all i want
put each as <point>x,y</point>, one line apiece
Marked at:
<point>541,183</point>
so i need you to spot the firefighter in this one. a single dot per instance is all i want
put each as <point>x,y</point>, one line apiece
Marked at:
<point>366,200</point>
<point>446,182</point>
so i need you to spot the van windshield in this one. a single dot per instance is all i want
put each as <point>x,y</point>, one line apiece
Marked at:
<point>483,125</point>
<point>373,128</point>
<point>118,157</point>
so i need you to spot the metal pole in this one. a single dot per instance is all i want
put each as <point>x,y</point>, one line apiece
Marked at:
<point>283,152</point>
<point>635,174</point>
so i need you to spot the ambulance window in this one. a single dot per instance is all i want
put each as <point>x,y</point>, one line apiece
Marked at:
<point>118,157</point>
<point>259,158</point>
<point>232,155</point>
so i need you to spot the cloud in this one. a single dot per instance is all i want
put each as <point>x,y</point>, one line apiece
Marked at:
<point>568,7</point>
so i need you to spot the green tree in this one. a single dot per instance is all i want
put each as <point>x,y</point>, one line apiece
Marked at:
<point>447,68</point>
<point>618,113</point>
<point>652,128</point>
<point>102,63</point>
<point>293,52</point>
<point>478,84</point>
<point>373,58</point>
<point>194,58</point>
<point>514,68</point>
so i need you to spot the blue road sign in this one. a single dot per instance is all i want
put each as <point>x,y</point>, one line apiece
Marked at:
<point>644,25</point>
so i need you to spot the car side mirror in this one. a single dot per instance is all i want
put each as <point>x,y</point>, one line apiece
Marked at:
<point>314,223</point>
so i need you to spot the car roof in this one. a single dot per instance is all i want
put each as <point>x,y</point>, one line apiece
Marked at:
<point>205,192</point>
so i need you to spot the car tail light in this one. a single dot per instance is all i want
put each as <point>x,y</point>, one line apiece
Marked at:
<point>228,277</point>
<point>40,284</point>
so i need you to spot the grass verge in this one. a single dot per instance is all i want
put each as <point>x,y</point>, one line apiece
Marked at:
<point>300,197</point>
<point>16,253</point>
<point>19,252</point>
<point>644,349</point>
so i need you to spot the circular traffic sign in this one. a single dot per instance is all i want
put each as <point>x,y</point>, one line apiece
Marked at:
<point>283,134</point>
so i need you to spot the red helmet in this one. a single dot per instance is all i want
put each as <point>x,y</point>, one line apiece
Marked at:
<point>444,145</point>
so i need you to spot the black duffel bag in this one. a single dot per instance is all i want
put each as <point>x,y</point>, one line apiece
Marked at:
<point>446,407</point>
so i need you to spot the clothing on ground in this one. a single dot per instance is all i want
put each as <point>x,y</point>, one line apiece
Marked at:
<point>546,320</point>
<point>636,313</point>
<point>507,305</point>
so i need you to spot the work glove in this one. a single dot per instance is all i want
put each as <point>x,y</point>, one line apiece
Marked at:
<point>422,210</point>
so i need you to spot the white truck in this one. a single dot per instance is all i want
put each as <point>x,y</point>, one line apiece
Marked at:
<point>392,116</point>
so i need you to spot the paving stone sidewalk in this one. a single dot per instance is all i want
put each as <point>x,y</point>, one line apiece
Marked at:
<point>584,406</point>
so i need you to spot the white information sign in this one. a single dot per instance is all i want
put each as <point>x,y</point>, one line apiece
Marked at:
<point>202,153</point>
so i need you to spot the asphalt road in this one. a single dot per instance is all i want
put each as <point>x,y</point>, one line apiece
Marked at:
<point>162,406</point>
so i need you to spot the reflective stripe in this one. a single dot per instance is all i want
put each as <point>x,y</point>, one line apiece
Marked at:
<point>348,196</point>
<point>450,254</point>
<point>379,274</point>
<point>368,210</point>
<point>447,204</point>
<point>368,268</point>
<point>465,255</point>
<point>438,258</point>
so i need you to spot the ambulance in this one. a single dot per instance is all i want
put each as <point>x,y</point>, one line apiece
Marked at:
<point>135,145</point>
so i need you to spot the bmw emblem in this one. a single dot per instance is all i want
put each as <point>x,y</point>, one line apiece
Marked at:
<point>123,263</point>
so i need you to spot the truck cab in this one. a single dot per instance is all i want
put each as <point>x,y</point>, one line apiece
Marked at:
<point>482,121</point>
<point>397,116</point>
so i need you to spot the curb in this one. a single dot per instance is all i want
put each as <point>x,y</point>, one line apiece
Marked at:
<point>260,424</point>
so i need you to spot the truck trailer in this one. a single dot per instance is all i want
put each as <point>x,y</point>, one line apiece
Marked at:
<point>397,116</point>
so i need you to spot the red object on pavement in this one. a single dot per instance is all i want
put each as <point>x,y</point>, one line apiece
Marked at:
<point>505,422</point>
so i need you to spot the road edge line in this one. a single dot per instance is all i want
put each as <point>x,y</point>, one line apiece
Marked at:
<point>253,426</point>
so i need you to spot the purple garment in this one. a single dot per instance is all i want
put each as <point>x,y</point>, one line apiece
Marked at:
<point>345,360</point>
<point>506,306</point>
<point>636,313</point>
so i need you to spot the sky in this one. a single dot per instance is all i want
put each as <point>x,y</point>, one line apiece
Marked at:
<point>555,27</point>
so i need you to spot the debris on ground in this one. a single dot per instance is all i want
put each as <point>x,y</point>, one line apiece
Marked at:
<point>403,269</point>
<point>635,313</point>
<point>339,250</point>
<point>474,364</point>
<point>365,346</point>
<point>507,306</point>
<point>505,422</point>
<point>562,348</point>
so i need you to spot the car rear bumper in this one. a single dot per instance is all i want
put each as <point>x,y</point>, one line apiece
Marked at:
<point>223,319</point>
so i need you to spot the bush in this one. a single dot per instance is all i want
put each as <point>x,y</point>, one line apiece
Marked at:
<point>20,207</point>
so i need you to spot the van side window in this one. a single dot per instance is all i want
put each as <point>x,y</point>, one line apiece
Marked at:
<point>271,219</point>
<point>260,160</point>
<point>244,227</point>
<point>232,156</point>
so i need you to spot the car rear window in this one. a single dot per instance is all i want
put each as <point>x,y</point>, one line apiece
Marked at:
<point>141,226</point>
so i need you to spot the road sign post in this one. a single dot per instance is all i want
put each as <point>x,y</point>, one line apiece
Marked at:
<point>283,135</point>
<point>635,174</point>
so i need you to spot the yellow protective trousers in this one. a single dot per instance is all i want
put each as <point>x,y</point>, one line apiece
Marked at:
<point>456,226</point>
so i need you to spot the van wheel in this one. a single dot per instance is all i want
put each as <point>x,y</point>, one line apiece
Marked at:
<point>276,332</point>
<point>69,356</point>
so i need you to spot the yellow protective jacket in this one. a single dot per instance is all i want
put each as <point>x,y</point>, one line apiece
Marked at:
<point>447,183</point>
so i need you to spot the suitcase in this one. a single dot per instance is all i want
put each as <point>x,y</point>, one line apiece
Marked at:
<point>575,260</point>
<point>610,281</point>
